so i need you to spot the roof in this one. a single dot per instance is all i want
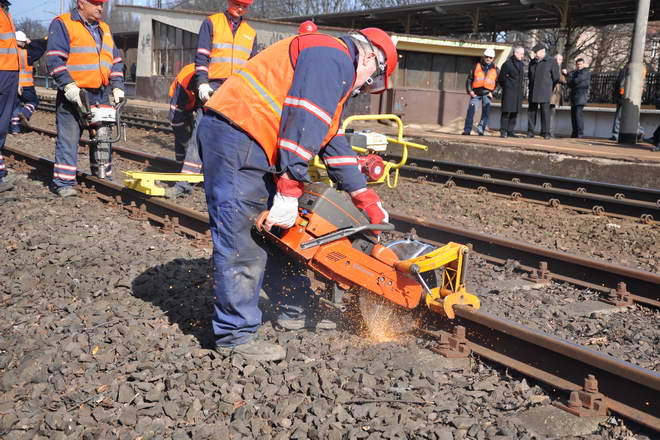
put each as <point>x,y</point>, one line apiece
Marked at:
<point>448,17</point>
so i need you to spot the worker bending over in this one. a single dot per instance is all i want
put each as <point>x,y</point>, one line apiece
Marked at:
<point>183,106</point>
<point>8,84</point>
<point>81,55</point>
<point>29,51</point>
<point>256,138</point>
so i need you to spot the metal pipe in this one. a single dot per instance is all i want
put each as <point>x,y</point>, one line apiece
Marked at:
<point>634,83</point>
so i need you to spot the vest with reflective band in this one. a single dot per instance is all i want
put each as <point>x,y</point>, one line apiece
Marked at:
<point>25,78</point>
<point>89,67</point>
<point>183,79</point>
<point>487,81</point>
<point>8,47</point>
<point>253,97</point>
<point>229,52</point>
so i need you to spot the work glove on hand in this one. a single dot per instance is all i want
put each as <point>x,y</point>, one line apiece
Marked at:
<point>117,95</point>
<point>368,201</point>
<point>72,93</point>
<point>284,211</point>
<point>20,90</point>
<point>204,91</point>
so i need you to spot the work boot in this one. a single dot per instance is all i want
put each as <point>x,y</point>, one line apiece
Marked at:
<point>465,133</point>
<point>547,136</point>
<point>649,140</point>
<point>512,134</point>
<point>23,121</point>
<point>656,148</point>
<point>504,134</point>
<point>530,135</point>
<point>7,183</point>
<point>480,131</point>
<point>178,190</point>
<point>66,191</point>
<point>254,350</point>
<point>302,323</point>
<point>614,138</point>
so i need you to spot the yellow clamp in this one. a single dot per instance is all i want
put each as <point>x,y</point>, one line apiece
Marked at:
<point>145,182</point>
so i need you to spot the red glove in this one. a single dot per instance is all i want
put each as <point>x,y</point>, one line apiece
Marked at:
<point>289,187</point>
<point>368,201</point>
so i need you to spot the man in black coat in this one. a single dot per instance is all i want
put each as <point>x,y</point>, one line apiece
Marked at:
<point>578,83</point>
<point>511,83</point>
<point>543,75</point>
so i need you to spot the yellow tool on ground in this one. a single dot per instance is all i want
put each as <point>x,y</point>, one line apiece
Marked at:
<point>145,182</point>
<point>367,144</point>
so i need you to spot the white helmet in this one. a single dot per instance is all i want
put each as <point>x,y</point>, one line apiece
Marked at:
<point>490,52</point>
<point>20,36</point>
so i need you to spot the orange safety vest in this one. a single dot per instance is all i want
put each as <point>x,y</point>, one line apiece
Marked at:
<point>89,67</point>
<point>228,51</point>
<point>183,79</point>
<point>253,97</point>
<point>25,78</point>
<point>487,81</point>
<point>8,46</point>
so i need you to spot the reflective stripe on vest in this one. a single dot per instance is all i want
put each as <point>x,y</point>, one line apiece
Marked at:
<point>229,52</point>
<point>8,46</point>
<point>487,81</point>
<point>88,67</point>
<point>183,79</point>
<point>25,78</point>
<point>254,97</point>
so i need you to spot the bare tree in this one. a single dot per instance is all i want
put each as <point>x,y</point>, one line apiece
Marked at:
<point>32,28</point>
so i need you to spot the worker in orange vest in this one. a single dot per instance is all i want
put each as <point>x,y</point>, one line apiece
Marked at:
<point>81,55</point>
<point>8,84</point>
<point>183,106</point>
<point>256,138</point>
<point>480,85</point>
<point>29,51</point>
<point>225,42</point>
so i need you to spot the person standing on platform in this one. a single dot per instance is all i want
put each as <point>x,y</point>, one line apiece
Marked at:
<point>557,99</point>
<point>9,66</point>
<point>480,84</point>
<point>543,75</point>
<point>511,83</point>
<point>183,106</point>
<point>618,92</point>
<point>226,41</point>
<point>578,83</point>
<point>81,55</point>
<point>29,51</point>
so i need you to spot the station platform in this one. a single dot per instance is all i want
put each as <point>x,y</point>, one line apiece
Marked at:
<point>595,159</point>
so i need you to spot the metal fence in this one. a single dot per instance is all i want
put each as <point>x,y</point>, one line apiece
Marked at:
<point>601,89</point>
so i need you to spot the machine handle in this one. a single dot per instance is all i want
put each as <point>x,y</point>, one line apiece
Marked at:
<point>333,236</point>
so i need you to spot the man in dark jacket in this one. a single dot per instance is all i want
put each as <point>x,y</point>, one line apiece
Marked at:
<point>578,83</point>
<point>511,83</point>
<point>480,84</point>
<point>543,75</point>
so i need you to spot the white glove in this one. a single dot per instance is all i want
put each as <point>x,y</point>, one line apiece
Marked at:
<point>72,93</point>
<point>20,90</point>
<point>117,95</point>
<point>204,91</point>
<point>283,213</point>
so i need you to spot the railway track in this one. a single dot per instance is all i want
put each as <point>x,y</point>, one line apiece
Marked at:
<point>593,382</point>
<point>621,285</point>
<point>598,198</point>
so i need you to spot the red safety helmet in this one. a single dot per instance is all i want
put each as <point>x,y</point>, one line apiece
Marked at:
<point>380,39</point>
<point>307,27</point>
<point>243,2</point>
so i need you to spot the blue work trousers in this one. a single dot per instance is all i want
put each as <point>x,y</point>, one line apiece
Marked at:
<point>239,185</point>
<point>69,128</point>
<point>8,90</point>
<point>26,104</point>
<point>484,101</point>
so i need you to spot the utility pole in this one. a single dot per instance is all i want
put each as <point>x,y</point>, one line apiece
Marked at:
<point>634,83</point>
<point>61,7</point>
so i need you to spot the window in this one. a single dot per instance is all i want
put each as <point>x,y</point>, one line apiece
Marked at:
<point>422,70</point>
<point>173,48</point>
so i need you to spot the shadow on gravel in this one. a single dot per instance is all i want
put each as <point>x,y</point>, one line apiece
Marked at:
<point>183,290</point>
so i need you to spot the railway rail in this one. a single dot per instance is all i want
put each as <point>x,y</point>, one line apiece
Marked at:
<point>594,382</point>
<point>621,285</point>
<point>598,198</point>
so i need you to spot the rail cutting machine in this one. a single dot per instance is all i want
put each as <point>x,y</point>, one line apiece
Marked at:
<point>345,255</point>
